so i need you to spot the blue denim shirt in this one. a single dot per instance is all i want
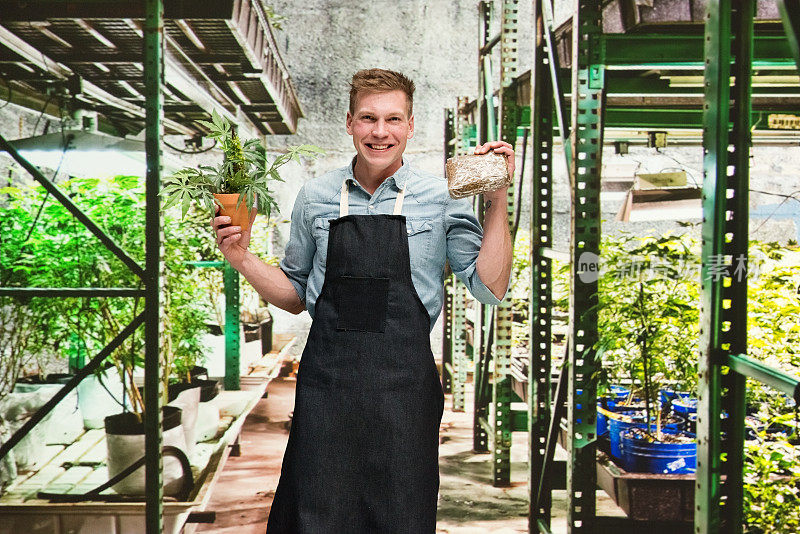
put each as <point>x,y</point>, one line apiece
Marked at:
<point>439,229</point>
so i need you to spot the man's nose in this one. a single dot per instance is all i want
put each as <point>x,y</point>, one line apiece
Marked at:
<point>379,130</point>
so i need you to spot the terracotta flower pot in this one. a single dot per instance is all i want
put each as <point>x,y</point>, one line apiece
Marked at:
<point>240,216</point>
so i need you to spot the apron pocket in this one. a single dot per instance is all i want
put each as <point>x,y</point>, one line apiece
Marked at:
<point>361,303</point>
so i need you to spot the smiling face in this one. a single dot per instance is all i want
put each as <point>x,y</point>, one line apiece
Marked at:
<point>381,126</point>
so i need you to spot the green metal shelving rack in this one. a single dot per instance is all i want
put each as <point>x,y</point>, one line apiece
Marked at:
<point>729,47</point>
<point>724,365</point>
<point>493,395</point>
<point>493,417</point>
<point>154,106</point>
<point>150,274</point>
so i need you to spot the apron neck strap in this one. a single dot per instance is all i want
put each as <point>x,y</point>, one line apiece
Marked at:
<point>398,203</point>
<point>344,200</point>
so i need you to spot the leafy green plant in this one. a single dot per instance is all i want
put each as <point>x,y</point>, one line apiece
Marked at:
<point>648,316</point>
<point>520,290</point>
<point>245,170</point>
<point>58,251</point>
<point>649,300</point>
<point>772,461</point>
<point>771,487</point>
<point>647,313</point>
<point>773,332</point>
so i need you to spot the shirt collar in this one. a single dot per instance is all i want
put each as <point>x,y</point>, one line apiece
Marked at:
<point>399,178</point>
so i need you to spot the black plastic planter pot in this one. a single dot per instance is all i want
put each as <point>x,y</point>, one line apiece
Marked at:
<point>198,372</point>
<point>262,331</point>
<point>208,389</point>
<point>128,424</point>
<point>266,336</point>
<point>252,332</point>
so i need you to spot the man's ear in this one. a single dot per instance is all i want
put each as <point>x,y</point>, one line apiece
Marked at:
<point>349,123</point>
<point>410,127</point>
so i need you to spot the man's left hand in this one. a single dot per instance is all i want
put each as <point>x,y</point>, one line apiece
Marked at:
<point>499,147</point>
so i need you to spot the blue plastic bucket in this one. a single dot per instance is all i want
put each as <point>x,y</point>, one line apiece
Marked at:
<point>668,395</point>
<point>619,393</point>
<point>684,406</point>
<point>611,405</point>
<point>617,427</point>
<point>642,456</point>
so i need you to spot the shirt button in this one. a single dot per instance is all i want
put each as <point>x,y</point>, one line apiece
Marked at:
<point>371,207</point>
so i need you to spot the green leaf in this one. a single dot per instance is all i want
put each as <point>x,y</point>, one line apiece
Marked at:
<point>185,205</point>
<point>10,190</point>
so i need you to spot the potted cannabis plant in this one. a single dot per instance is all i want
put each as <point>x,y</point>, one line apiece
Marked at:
<point>237,185</point>
<point>648,321</point>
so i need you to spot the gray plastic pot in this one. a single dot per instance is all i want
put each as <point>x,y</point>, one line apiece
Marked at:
<point>187,398</point>
<point>207,421</point>
<point>100,396</point>
<point>125,445</point>
<point>65,422</point>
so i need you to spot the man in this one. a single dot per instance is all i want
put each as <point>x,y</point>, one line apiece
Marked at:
<point>366,256</point>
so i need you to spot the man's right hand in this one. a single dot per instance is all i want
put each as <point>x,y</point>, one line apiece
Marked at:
<point>270,282</point>
<point>231,240</point>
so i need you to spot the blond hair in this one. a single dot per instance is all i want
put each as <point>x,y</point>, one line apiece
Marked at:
<point>380,81</point>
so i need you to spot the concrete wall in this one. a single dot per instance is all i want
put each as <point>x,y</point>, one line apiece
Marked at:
<point>324,42</point>
<point>432,42</point>
<point>17,122</point>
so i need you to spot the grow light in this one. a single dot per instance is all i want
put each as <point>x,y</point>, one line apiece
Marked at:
<point>667,203</point>
<point>661,196</point>
<point>89,154</point>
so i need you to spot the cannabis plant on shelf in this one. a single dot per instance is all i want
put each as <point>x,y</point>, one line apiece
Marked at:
<point>648,313</point>
<point>243,175</point>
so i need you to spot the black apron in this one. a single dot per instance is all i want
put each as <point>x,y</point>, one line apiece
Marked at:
<point>363,450</point>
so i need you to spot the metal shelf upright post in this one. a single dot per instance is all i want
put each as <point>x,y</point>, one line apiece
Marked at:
<point>586,140</point>
<point>486,128</point>
<point>154,109</point>
<point>541,231</point>
<point>150,275</point>
<point>502,394</point>
<point>495,332</point>
<point>726,142</point>
<point>230,277</point>
<point>447,305</point>
<point>454,354</point>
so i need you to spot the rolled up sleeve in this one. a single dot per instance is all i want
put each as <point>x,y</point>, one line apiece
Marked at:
<point>464,236</point>
<point>300,248</point>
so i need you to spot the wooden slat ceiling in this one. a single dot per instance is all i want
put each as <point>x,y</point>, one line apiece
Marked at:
<point>219,55</point>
